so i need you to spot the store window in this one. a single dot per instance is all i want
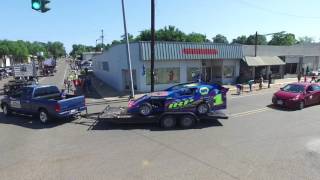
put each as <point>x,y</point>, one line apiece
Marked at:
<point>192,73</point>
<point>217,71</point>
<point>275,69</point>
<point>228,71</point>
<point>164,76</point>
<point>105,66</point>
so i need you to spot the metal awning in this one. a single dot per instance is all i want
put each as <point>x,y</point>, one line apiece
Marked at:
<point>263,61</point>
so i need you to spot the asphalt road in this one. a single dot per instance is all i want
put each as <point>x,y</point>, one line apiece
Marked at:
<point>256,142</point>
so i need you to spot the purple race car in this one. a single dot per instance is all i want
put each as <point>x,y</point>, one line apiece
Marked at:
<point>198,98</point>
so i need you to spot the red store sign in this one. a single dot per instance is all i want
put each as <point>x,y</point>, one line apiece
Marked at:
<point>200,51</point>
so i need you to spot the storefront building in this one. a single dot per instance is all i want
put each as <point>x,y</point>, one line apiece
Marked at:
<point>180,62</point>
<point>175,63</point>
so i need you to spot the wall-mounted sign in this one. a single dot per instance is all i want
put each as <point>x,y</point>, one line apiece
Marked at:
<point>199,51</point>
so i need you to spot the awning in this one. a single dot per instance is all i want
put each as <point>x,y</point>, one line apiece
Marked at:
<point>263,61</point>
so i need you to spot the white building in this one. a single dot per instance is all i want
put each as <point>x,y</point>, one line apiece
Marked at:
<point>176,62</point>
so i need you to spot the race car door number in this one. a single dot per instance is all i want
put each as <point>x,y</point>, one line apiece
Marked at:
<point>15,104</point>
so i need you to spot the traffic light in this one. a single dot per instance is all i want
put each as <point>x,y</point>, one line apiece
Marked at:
<point>36,4</point>
<point>44,6</point>
<point>40,5</point>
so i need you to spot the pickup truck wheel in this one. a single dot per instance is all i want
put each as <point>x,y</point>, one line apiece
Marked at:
<point>168,122</point>
<point>6,110</point>
<point>43,116</point>
<point>203,108</point>
<point>187,121</point>
<point>145,109</point>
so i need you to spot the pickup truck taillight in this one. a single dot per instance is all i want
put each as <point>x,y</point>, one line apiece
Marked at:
<point>57,108</point>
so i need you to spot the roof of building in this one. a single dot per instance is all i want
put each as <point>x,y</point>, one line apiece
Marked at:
<point>190,50</point>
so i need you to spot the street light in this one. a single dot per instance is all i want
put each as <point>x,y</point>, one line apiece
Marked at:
<point>128,48</point>
<point>256,40</point>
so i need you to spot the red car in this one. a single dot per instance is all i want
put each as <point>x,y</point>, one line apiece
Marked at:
<point>297,95</point>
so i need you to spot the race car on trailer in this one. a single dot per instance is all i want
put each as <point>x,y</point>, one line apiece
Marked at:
<point>184,104</point>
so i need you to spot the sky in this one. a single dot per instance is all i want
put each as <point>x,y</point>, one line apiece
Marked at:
<point>81,21</point>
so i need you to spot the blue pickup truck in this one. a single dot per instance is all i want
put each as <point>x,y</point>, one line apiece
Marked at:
<point>44,102</point>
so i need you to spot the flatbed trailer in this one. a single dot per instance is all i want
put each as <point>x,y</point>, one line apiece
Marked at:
<point>167,120</point>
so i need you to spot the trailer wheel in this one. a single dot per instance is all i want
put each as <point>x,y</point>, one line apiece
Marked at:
<point>168,122</point>
<point>187,121</point>
<point>203,108</point>
<point>145,109</point>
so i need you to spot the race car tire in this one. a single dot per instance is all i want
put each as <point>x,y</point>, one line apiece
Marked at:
<point>187,121</point>
<point>203,108</point>
<point>168,122</point>
<point>145,109</point>
<point>6,110</point>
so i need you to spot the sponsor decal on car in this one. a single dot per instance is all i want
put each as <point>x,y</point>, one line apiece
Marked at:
<point>181,103</point>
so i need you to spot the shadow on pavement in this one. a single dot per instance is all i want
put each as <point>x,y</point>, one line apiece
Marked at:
<point>30,122</point>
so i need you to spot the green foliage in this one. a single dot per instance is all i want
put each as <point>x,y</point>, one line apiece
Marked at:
<point>283,39</point>
<point>219,38</point>
<point>196,37</point>
<point>240,40</point>
<point>251,40</point>
<point>21,50</point>
<point>306,40</point>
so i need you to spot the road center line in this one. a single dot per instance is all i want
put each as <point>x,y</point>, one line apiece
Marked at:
<point>255,111</point>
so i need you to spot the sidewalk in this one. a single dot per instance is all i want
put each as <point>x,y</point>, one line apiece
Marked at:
<point>255,87</point>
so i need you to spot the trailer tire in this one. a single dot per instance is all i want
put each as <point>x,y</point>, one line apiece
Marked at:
<point>168,122</point>
<point>187,121</point>
<point>145,109</point>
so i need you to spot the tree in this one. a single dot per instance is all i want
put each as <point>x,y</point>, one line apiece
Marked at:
<point>56,49</point>
<point>283,39</point>
<point>251,40</point>
<point>219,38</point>
<point>196,37</point>
<point>306,40</point>
<point>3,52</point>
<point>170,33</point>
<point>240,40</point>
<point>144,35</point>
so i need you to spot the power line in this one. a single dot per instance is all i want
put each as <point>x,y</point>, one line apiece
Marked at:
<point>243,2</point>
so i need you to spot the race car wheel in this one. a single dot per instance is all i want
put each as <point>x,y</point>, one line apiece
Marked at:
<point>43,116</point>
<point>6,110</point>
<point>145,109</point>
<point>203,108</point>
<point>187,121</point>
<point>168,122</point>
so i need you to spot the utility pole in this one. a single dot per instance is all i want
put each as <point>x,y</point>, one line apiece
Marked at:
<point>256,44</point>
<point>128,48</point>
<point>102,48</point>
<point>153,38</point>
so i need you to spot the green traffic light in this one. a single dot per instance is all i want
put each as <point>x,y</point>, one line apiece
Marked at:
<point>36,5</point>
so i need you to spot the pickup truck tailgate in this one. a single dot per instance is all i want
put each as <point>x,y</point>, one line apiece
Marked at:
<point>72,103</point>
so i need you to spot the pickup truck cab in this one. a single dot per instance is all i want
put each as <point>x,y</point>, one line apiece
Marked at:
<point>45,102</point>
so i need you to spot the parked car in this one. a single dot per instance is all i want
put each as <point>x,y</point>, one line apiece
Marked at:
<point>198,98</point>
<point>297,95</point>
<point>45,102</point>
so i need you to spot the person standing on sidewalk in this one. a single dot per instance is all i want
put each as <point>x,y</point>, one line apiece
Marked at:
<point>250,82</point>
<point>269,80</point>
<point>299,76</point>
<point>260,82</point>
